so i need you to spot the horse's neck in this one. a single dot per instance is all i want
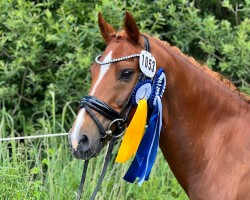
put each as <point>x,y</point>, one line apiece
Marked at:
<point>194,104</point>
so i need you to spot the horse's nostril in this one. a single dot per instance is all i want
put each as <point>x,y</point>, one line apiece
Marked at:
<point>83,144</point>
<point>84,139</point>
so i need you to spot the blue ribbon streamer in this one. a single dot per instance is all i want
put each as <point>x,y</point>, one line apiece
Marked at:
<point>146,154</point>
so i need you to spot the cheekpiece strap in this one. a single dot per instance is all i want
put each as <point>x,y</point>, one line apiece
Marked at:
<point>146,43</point>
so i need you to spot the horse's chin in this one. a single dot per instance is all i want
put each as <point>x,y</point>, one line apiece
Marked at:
<point>90,153</point>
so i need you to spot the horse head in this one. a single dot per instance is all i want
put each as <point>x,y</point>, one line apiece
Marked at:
<point>106,107</point>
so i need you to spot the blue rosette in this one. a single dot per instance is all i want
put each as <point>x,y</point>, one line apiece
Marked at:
<point>158,87</point>
<point>142,90</point>
<point>146,154</point>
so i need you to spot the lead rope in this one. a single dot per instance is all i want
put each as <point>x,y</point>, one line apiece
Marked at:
<point>104,169</point>
<point>105,166</point>
<point>84,172</point>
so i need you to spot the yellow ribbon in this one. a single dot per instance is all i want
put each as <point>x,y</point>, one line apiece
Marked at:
<point>134,133</point>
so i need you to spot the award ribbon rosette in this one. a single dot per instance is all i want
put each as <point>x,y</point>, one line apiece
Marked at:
<point>138,141</point>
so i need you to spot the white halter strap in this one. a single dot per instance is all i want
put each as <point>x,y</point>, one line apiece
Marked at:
<point>115,60</point>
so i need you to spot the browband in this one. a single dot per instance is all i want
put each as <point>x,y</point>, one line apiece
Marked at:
<point>147,48</point>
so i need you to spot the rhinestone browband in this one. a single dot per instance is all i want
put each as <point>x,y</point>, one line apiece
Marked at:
<point>115,60</point>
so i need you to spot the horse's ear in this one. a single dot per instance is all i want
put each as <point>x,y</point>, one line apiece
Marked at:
<point>131,27</point>
<point>106,29</point>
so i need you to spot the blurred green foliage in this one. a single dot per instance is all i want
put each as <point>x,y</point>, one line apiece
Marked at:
<point>48,45</point>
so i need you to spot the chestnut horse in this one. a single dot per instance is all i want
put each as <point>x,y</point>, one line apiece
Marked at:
<point>205,136</point>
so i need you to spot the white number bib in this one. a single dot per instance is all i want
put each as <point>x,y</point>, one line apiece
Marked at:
<point>147,63</point>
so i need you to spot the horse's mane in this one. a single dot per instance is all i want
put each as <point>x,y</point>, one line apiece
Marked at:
<point>215,75</point>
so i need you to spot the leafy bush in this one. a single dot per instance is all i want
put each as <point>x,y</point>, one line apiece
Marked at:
<point>49,45</point>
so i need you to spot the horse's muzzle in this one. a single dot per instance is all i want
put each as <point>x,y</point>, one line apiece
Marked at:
<point>84,149</point>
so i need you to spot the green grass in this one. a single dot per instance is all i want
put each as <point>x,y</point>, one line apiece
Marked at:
<point>45,169</point>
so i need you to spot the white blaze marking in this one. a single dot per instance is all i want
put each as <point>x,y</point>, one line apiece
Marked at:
<point>103,71</point>
<point>80,116</point>
<point>75,132</point>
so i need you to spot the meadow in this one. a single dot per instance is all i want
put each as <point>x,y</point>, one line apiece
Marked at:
<point>45,169</point>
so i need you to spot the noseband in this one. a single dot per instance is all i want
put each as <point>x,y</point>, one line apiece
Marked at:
<point>91,102</point>
<point>117,118</point>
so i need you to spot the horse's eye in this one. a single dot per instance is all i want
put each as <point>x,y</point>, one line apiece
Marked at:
<point>126,74</point>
